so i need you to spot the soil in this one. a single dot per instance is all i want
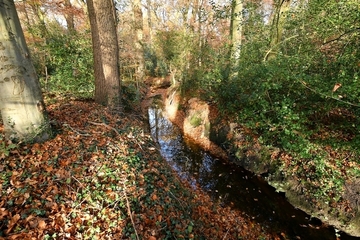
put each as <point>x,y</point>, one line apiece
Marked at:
<point>180,118</point>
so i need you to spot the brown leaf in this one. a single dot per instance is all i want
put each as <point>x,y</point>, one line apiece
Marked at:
<point>19,236</point>
<point>336,87</point>
<point>154,197</point>
<point>42,225</point>
<point>12,223</point>
<point>3,213</point>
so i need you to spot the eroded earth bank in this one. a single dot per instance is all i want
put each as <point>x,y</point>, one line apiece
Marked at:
<point>236,145</point>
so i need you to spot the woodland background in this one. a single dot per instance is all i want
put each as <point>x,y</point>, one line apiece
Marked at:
<point>288,72</point>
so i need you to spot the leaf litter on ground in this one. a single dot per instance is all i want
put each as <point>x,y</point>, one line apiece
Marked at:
<point>102,177</point>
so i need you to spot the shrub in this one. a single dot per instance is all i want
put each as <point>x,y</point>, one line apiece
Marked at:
<point>64,62</point>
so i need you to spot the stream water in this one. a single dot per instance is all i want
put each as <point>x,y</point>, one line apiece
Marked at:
<point>233,186</point>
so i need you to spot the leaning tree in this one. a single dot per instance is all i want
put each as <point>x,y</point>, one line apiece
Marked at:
<point>21,103</point>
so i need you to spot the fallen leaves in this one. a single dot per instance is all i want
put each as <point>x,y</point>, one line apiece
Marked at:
<point>98,178</point>
<point>12,221</point>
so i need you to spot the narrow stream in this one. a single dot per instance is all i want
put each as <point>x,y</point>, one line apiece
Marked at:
<point>233,186</point>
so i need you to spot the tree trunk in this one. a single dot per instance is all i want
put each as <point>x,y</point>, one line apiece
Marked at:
<point>106,55</point>
<point>278,21</point>
<point>22,107</point>
<point>38,12</point>
<point>236,29</point>
<point>235,35</point>
<point>69,16</point>
<point>138,27</point>
<point>149,20</point>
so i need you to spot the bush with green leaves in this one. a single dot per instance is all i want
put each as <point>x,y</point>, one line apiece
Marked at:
<point>290,101</point>
<point>64,62</point>
<point>155,66</point>
<point>175,51</point>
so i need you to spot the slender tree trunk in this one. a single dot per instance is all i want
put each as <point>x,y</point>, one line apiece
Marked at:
<point>235,35</point>
<point>26,13</point>
<point>40,18</point>
<point>149,20</point>
<point>277,27</point>
<point>21,103</point>
<point>139,33</point>
<point>106,54</point>
<point>236,29</point>
<point>198,7</point>
<point>69,16</point>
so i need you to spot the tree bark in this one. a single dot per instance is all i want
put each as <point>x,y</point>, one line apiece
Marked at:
<point>69,16</point>
<point>236,29</point>
<point>235,35</point>
<point>149,20</point>
<point>38,12</point>
<point>278,21</point>
<point>139,33</point>
<point>106,54</point>
<point>21,103</point>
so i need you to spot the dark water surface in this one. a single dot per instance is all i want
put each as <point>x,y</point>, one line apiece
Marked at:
<point>233,186</point>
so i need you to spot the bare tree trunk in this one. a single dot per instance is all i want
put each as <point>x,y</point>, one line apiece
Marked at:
<point>278,21</point>
<point>198,7</point>
<point>40,18</point>
<point>236,29</point>
<point>236,35</point>
<point>149,20</point>
<point>106,55</point>
<point>139,33</point>
<point>69,16</point>
<point>22,107</point>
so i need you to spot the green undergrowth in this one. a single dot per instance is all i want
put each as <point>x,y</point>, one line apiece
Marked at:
<point>288,105</point>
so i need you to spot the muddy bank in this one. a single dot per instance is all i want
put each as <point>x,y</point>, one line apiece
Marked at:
<point>230,142</point>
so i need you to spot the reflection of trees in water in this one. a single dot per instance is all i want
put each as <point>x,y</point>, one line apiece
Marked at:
<point>190,162</point>
<point>228,184</point>
<point>161,127</point>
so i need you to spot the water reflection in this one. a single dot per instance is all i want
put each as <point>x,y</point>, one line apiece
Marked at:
<point>230,185</point>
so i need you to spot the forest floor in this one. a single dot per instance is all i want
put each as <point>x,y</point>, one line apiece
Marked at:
<point>101,177</point>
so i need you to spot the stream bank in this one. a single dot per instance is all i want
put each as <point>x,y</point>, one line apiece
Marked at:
<point>199,122</point>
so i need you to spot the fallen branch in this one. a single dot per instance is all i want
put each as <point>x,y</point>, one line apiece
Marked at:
<point>226,234</point>
<point>76,131</point>
<point>105,125</point>
<point>327,96</point>
<point>129,211</point>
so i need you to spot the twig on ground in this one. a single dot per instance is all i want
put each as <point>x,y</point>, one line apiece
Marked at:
<point>77,181</point>
<point>226,234</point>
<point>129,211</point>
<point>79,204</point>
<point>182,206</point>
<point>76,131</point>
<point>105,125</point>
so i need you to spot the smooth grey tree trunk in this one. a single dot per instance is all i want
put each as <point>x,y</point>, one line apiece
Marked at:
<point>138,25</point>
<point>21,103</point>
<point>236,31</point>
